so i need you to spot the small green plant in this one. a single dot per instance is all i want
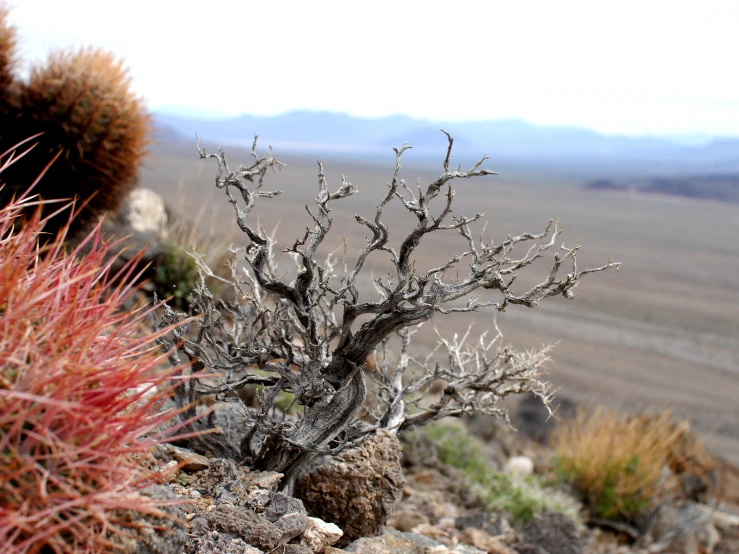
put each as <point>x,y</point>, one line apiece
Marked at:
<point>521,498</point>
<point>176,276</point>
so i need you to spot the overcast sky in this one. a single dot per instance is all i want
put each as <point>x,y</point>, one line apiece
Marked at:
<point>631,67</point>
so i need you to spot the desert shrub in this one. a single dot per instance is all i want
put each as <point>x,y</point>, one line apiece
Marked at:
<point>76,373</point>
<point>522,498</point>
<point>620,465</point>
<point>313,330</point>
<point>81,105</point>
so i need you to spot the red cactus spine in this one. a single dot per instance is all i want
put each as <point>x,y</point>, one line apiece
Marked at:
<point>74,373</point>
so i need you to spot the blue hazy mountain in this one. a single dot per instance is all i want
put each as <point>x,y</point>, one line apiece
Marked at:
<point>328,132</point>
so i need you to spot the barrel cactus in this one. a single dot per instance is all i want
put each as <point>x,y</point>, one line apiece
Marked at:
<point>82,104</point>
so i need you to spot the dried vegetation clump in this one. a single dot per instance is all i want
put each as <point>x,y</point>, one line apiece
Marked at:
<point>622,466</point>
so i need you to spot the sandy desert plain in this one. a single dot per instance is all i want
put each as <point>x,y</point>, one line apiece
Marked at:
<point>663,332</point>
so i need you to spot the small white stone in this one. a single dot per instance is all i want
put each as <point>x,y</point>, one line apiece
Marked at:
<point>195,494</point>
<point>319,534</point>
<point>145,212</point>
<point>520,466</point>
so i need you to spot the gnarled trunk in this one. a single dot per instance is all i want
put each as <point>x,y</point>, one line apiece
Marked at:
<point>321,423</point>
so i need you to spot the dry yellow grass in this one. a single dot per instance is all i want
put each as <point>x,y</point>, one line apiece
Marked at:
<point>622,465</point>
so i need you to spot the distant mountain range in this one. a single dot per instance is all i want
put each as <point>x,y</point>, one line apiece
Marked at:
<point>721,187</point>
<point>328,132</point>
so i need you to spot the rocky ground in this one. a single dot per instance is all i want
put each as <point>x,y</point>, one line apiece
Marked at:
<point>378,499</point>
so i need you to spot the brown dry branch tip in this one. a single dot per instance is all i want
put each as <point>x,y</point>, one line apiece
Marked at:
<point>304,334</point>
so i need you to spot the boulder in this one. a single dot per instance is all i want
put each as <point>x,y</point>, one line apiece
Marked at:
<point>358,489</point>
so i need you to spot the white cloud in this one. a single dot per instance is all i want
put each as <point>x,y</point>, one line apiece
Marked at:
<point>630,66</point>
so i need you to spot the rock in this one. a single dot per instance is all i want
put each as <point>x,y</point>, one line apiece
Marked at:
<point>549,534</point>
<point>406,520</point>
<point>435,533</point>
<point>242,523</point>
<point>142,223</point>
<point>287,514</point>
<point>223,481</point>
<point>258,499</point>
<point>483,541</point>
<point>397,542</point>
<point>218,471</point>
<point>148,534</point>
<point>292,526</point>
<point>372,545</point>
<point>494,525</point>
<point>189,460</point>
<point>319,534</point>
<point>268,480</point>
<point>298,549</point>
<point>682,528</point>
<point>465,549</point>
<point>144,212</point>
<point>520,466</point>
<point>281,504</point>
<point>729,543</point>
<point>447,524</point>
<point>213,542</point>
<point>358,489</point>
<point>723,521</point>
